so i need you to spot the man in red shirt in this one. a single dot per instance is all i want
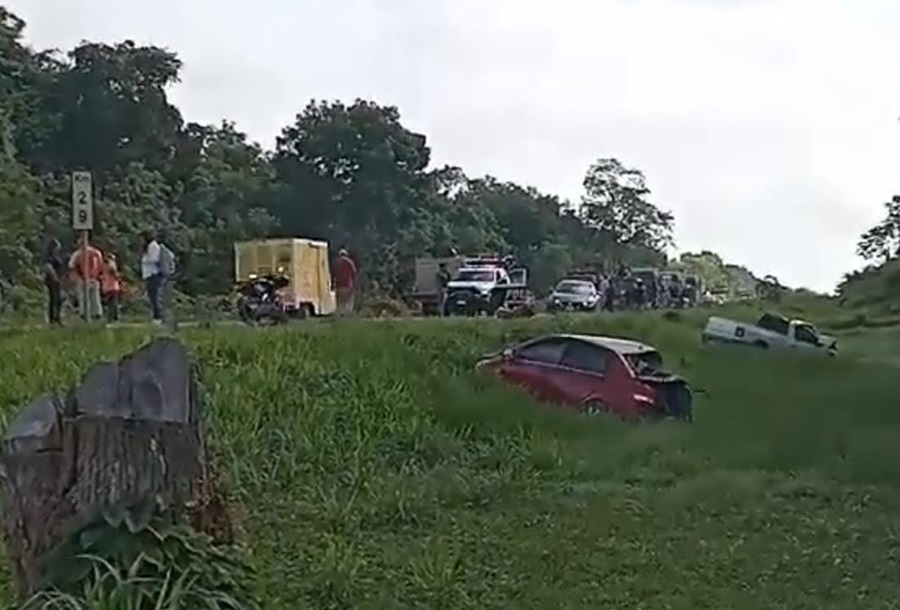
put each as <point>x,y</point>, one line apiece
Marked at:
<point>345,283</point>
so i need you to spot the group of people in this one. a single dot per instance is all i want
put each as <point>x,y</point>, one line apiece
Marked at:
<point>92,279</point>
<point>87,277</point>
<point>625,290</point>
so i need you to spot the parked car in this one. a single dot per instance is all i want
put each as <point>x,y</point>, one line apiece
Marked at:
<point>769,331</point>
<point>594,374</point>
<point>576,295</point>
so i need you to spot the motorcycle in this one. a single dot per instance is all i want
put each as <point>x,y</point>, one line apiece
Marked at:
<point>259,301</point>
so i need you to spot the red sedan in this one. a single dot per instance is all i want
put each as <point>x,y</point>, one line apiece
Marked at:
<point>595,374</point>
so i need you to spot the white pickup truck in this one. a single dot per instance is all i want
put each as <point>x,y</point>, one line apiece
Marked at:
<point>770,331</point>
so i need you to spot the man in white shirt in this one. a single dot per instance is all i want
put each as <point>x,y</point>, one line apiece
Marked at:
<point>152,274</point>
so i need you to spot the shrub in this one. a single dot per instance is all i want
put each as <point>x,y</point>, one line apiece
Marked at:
<point>138,557</point>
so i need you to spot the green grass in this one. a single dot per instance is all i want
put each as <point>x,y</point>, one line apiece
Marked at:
<point>375,471</point>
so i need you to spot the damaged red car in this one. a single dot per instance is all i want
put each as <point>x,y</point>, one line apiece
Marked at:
<point>595,374</point>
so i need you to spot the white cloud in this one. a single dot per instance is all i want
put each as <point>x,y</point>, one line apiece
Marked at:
<point>768,126</point>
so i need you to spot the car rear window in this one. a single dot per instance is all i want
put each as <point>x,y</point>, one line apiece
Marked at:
<point>646,361</point>
<point>774,323</point>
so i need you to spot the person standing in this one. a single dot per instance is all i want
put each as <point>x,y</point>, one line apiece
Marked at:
<point>3,292</point>
<point>345,274</point>
<point>54,272</point>
<point>152,274</point>
<point>87,274</point>
<point>111,287</point>
<point>612,284</point>
<point>443,280</point>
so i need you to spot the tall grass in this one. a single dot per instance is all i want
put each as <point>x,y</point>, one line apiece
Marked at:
<point>376,471</point>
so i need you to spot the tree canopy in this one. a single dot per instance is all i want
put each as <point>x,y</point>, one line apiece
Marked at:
<point>350,173</point>
<point>878,285</point>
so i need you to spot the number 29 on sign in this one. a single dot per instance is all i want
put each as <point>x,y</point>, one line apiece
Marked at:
<point>82,202</point>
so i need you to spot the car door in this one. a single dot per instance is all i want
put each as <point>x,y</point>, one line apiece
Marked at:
<point>498,293</point>
<point>533,364</point>
<point>518,277</point>
<point>805,337</point>
<point>581,376</point>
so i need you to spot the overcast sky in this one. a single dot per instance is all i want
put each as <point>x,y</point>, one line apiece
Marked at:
<point>769,127</point>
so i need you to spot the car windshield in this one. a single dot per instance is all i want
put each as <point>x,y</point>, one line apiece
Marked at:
<point>646,363</point>
<point>569,287</point>
<point>474,275</point>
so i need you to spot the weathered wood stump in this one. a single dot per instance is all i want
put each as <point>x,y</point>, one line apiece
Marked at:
<point>129,431</point>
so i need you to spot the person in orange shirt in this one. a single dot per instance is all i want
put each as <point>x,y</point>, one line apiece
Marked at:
<point>111,287</point>
<point>88,273</point>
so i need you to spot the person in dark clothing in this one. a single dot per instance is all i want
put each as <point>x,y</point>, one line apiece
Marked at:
<point>4,292</point>
<point>443,280</point>
<point>55,269</point>
<point>609,303</point>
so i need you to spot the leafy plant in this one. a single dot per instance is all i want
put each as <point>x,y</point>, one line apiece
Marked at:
<point>136,557</point>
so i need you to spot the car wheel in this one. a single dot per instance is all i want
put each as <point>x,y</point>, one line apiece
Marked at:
<point>596,407</point>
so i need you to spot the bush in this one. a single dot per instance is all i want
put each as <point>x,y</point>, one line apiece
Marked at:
<point>133,557</point>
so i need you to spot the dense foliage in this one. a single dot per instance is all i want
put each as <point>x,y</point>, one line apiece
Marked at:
<point>877,286</point>
<point>348,173</point>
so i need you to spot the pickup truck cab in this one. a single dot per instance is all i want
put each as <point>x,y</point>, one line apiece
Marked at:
<point>769,331</point>
<point>481,279</point>
<point>482,289</point>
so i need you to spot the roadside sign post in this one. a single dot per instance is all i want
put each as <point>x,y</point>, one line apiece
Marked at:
<point>83,222</point>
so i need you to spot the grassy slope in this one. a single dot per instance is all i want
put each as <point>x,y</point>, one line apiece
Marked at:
<point>375,472</point>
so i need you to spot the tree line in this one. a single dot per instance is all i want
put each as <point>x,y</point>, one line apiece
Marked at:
<point>348,173</point>
<point>878,284</point>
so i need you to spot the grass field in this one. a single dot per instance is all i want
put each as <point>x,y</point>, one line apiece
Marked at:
<point>374,470</point>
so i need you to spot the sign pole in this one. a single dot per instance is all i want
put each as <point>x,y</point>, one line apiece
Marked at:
<point>83,221</point>
<point>85,313</point>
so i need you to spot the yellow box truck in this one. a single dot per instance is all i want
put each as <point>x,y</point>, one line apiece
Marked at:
<point>304,262</point>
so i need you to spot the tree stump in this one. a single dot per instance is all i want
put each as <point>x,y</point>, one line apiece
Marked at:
<point>129,431</point>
